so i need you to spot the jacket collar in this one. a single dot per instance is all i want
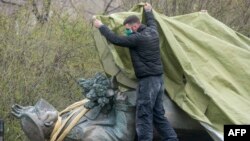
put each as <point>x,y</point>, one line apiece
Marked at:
<point>142,27</point>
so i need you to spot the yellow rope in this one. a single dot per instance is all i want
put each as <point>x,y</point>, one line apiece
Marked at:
<point>74,105</point>
<point>60,131</point>
<point>57,125</point>
<point>72,124</point>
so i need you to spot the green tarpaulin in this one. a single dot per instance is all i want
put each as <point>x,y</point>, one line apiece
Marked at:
<point>206,65</point>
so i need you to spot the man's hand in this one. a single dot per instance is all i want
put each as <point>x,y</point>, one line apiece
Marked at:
<point>97,23</point>
<point>147,7</point>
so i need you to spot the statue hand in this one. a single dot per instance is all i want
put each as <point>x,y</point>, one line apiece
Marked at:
<point>17,110</point>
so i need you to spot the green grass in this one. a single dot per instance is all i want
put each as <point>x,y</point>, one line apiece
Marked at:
<point>42,61</point>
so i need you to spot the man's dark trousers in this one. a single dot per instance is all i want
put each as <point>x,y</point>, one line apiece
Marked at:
<point>150,112</point>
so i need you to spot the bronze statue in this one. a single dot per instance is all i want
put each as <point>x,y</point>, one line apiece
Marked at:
<point>110,116</point>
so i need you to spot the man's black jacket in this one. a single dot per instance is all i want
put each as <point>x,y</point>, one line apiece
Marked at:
<point>143,45</point>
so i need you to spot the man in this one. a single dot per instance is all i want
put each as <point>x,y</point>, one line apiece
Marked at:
<point>143,43</point>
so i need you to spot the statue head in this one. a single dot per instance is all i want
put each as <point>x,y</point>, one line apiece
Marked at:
<point>37,121</point>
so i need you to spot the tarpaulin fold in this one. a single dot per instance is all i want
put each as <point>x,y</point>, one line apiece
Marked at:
<point>206,65</point>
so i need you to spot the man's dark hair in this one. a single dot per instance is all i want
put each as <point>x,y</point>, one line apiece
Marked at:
<point>131,20</point>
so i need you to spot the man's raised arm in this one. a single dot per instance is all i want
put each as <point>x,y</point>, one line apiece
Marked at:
<point>150,20</point>
<point>123,41</point>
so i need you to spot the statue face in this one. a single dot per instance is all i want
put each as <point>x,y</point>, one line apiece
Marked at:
<point>37,121</point>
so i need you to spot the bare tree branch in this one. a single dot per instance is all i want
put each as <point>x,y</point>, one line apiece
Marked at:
<point>73,5</point>
<point>44,15</point>
<point>47,4</point>
<point>113,9</point>
<point>107,7</point>
<point>11,3</point>
<point>174,7</point>
<point>90,12</point>
<point>166,7</point>
<point>35,10</point>
<point>245,12</point>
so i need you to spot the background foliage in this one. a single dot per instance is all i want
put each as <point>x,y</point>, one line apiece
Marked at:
<point>45,49</point>
<point>42,61</point>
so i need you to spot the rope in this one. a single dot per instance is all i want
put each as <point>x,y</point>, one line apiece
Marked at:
<point>60,130</point>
